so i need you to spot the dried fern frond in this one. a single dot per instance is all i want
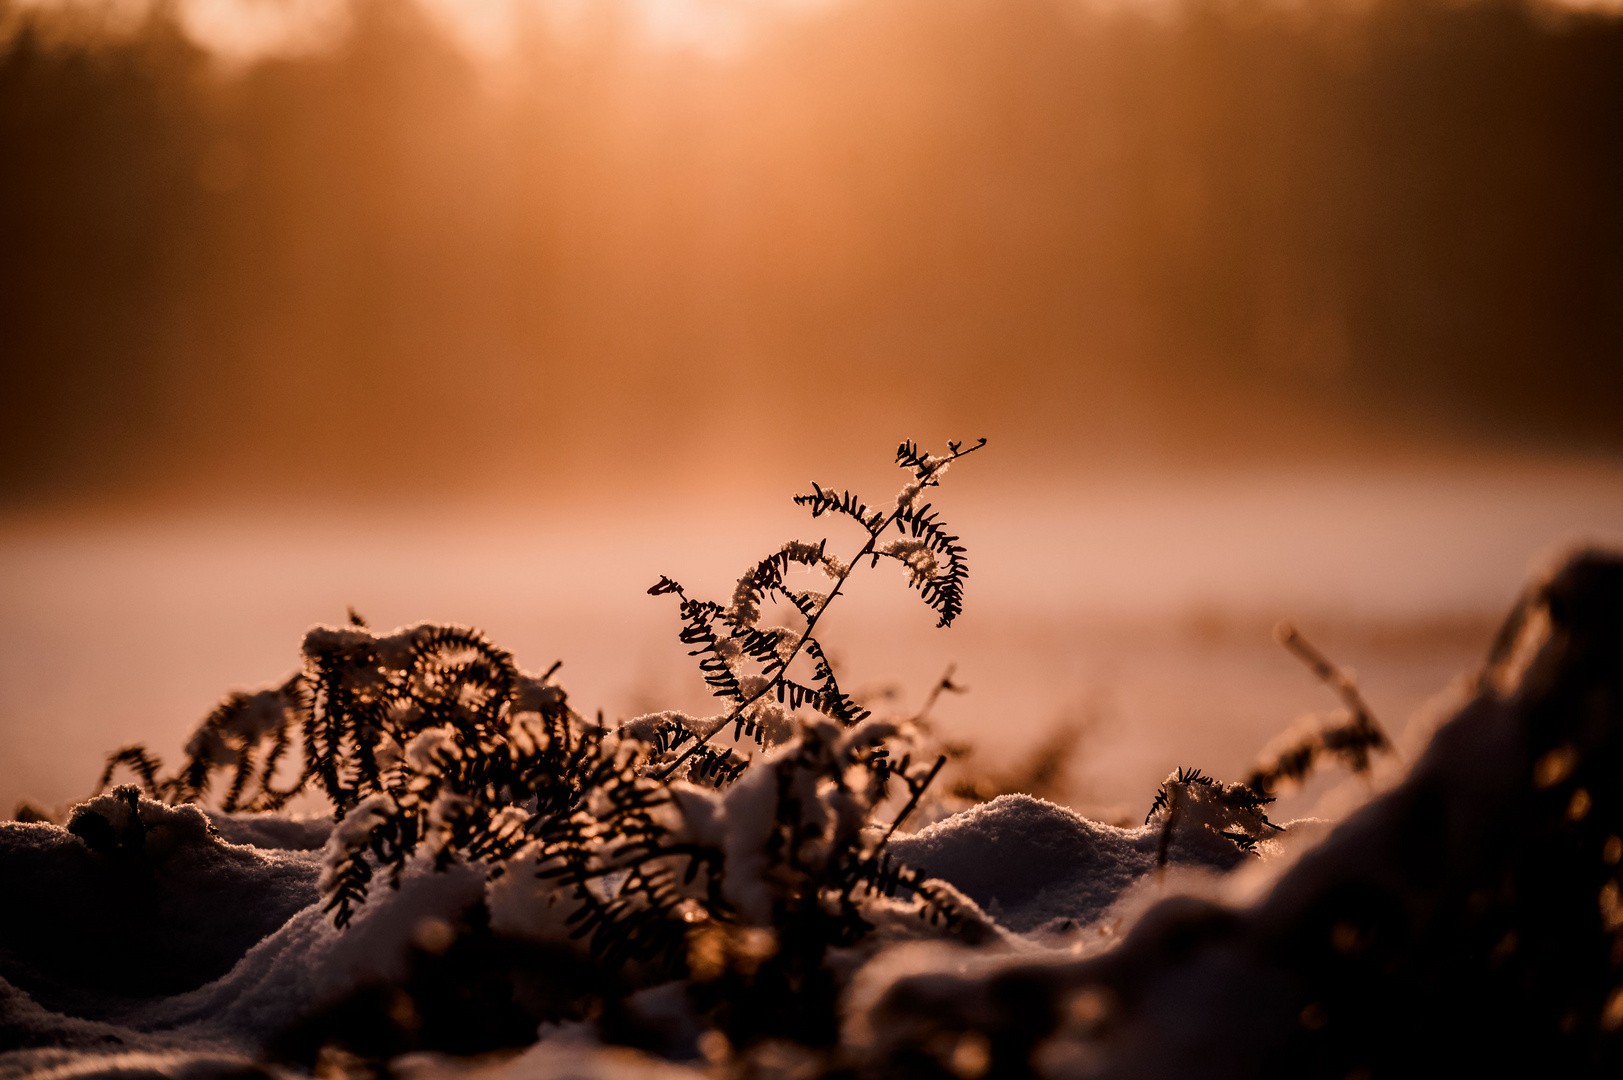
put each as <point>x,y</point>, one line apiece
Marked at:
<point>745,664</point>
<point>1351,741</point>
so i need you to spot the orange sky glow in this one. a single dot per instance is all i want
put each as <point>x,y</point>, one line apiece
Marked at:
<point>494,310</point>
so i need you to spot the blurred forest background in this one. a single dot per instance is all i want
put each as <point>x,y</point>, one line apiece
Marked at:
<point>492,311</point>
<point>267,244</point>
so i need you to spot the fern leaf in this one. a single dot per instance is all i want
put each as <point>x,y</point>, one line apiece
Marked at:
<point>824,501</point>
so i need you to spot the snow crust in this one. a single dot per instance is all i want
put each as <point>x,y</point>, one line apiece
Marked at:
<point>272,832</point>
<point>560,1056</point>
<point>89,932</point>
<point>1031,864</point>
<point>307,964</point>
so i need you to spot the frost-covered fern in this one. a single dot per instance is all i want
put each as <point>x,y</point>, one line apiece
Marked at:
<point>644,842</point>
<point>748,665</point>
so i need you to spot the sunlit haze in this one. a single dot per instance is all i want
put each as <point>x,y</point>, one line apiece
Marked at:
<point>493,311</point>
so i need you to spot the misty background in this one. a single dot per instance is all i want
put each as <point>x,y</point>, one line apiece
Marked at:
<point>494,311</point>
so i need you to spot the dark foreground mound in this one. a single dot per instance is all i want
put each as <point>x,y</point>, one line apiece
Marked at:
<point>1468,922</point>
<point>124,907</point>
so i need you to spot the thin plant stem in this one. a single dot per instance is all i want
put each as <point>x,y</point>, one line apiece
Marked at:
<point>927,480</point>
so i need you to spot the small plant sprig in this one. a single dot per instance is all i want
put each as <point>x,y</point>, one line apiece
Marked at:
<point>243,726</point>
<point>1233,811</point>
<point>1352,740</point>
<point>1240,817</point>
<point>729,640</point>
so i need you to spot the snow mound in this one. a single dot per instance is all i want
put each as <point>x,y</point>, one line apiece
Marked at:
<point>561,1056</point>
<point>1031,864</point>
<point>308,964</point>
<point>147,1065</point>
<point>37,1038</point>
<point>141,900</point>
<point>272,831</point>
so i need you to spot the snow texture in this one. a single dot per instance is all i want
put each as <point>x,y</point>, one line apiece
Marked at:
<point>644,727</point>
<point>214,944</point>
<point>561,1056</point>
<point>87,931</point>
<point>274,832</point>
<point>142,1065</point>
<point>1031,864</point>
<point>308,965</point>
<point>916,554</point>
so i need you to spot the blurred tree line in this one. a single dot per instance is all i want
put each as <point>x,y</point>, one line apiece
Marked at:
<point>364,266</point>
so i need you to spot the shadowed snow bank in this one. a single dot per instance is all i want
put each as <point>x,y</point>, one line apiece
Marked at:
<point>112,913</point>
<point>1032,865</point>
<point>1464,922</point>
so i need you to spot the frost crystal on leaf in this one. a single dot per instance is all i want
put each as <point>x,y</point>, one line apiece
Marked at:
<point>745,610</point>
<point>916,554</point>
<point>430,750</point>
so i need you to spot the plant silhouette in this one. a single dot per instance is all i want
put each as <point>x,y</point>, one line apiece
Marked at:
<point>430,743</point>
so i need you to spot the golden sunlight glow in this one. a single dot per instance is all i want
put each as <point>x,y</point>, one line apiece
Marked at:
<point>240,31</point>
<point>245,30</point>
